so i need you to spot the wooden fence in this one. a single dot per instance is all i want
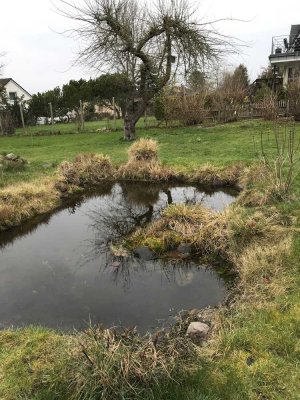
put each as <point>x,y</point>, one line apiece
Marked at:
<point>248,111</point>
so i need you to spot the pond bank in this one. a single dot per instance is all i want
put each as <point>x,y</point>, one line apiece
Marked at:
<point>22,202</point>
<point>253,347</point>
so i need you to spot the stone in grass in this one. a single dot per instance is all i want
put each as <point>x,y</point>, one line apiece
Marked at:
<point>198,330</point>
<point>184,248</point>
<point>144,253</point>
<point>11,157</point>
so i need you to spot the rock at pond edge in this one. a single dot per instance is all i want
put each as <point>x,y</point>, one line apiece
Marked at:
<point>144,253</point>
<point>198,330</point>
<point>184,248</point>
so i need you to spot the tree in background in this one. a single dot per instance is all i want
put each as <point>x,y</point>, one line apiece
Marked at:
<point>2,91</point>
<point>109,86</point>
<point>7,122</point>
<point>74,91</point>
<point>266,73</point>
<point>148,45</point>
<point>99,91</point>
<point>233,88</point>
<point>39,104</point>
<point>196,80</point>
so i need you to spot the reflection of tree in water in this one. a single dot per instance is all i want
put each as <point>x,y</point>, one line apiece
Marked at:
<point>122,270</point>
<point>124,212</point>
<point>140,193</point>
<point>129,207</point>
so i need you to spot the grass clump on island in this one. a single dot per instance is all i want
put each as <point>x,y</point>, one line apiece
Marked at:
<point>253,348</point>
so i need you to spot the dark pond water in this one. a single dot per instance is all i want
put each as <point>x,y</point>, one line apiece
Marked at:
<point>57,271</point>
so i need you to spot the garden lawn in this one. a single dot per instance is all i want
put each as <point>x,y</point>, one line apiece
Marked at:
<point>182,148</point>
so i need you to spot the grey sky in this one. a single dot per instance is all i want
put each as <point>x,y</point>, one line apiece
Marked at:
<point>39,59</point>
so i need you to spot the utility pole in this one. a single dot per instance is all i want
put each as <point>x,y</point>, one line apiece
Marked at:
<point>51,114</point>
<point>22,117</point>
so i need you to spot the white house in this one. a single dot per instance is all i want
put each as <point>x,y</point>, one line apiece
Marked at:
<point>285,55</point>
<point>14,91</point>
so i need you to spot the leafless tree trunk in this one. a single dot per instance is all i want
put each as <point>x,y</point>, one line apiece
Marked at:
<point>147,44</point>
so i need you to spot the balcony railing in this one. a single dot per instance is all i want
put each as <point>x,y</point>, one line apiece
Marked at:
<point>286,45</point>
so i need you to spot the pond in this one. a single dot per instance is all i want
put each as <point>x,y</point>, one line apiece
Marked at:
<point>57,270</point>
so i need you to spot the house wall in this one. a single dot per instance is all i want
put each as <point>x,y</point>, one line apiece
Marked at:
<point>13,87</point>
<point>290,72</point>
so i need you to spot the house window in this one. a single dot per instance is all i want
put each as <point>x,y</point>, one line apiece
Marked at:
<point>12,96</point>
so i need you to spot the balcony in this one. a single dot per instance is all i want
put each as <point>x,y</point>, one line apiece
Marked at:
<point>285,48</point>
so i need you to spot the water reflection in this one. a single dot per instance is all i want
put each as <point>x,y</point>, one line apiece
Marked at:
<point>57,270</point>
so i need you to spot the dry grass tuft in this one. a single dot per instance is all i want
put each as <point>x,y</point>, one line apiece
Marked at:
<point>262,272</point>
<point>209,174</point>
<point>146,170</point>
<point>87,169</point>
<point>143,150</point>
<point>19,203</point>
<point>143,163</point>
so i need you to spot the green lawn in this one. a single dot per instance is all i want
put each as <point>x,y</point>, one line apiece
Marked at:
<point>90,126</point>
<point>183,148</point>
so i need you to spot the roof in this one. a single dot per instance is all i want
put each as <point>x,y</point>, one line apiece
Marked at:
<point>5,81</point>
<point>295,30</point>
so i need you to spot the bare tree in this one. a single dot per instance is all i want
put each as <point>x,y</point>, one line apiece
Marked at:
<point>148,44</point>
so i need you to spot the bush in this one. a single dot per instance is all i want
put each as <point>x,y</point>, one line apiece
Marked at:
<point>293,95</point>
<point>189,109</point>
<point>8,124</point>
<point>270,107</point>
<point>159,108</point>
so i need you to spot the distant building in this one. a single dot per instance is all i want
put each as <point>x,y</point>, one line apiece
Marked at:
<point>14,91</point>
<point>285,55</point>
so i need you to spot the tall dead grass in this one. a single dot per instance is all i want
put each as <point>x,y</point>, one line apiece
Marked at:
<point>24,201</point>
<point>143,163</point>
<point>143,150</point>
<point>117,364</point>
<point>209,174</point>
<point>87,169</point>
<point>223,234</point>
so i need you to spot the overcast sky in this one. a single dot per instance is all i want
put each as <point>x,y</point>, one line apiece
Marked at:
<point>39,59</point>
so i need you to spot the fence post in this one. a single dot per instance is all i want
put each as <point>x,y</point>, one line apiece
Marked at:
<point>81,116</point>
<point>22,117</point>
<point>51,114</point>
<point>114,108</point>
